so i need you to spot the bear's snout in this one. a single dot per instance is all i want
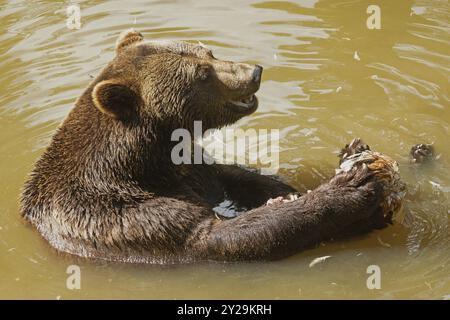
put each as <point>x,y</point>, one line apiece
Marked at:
<point>257,72</point>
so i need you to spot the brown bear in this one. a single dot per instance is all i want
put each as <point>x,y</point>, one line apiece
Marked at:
<point>106,187</point>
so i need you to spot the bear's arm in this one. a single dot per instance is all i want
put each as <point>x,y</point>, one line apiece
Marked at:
<point>250,189</point>
<point>279,230</point>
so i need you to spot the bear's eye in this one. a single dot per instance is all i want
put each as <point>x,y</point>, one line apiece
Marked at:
<point>203,72</point>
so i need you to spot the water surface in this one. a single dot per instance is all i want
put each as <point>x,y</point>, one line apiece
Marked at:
<point>313,90</point>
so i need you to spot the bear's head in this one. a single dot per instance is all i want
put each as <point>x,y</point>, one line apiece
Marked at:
<point>175,83</point>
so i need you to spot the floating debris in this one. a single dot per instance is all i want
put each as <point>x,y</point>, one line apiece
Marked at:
<point>356,56</point>
<point>435,184</point>
<point>417,11</point>
<point>384,244</point>
<point>438,187</point>
<point>318,260</point>
<point>33,260</point>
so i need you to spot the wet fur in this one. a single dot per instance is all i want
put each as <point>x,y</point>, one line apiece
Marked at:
<point>106,187</point>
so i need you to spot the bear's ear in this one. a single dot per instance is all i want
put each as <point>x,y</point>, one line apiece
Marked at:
<point>116,99</point>
<point>128,37</point>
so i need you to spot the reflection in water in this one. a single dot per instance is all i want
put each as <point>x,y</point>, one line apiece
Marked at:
<point>313,90</point>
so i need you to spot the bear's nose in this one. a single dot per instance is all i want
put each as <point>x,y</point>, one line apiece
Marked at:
<point>257,72</point>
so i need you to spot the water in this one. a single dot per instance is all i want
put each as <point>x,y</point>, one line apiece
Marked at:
<point>313,90</point>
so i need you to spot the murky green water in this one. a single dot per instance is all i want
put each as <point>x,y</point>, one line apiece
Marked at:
<point>314,91</point>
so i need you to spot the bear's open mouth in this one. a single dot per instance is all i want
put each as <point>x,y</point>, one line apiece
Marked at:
<point>245,105</point>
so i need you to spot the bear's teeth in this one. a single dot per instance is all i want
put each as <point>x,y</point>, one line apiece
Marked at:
<point>246,102</point>
<point>240,104</point>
